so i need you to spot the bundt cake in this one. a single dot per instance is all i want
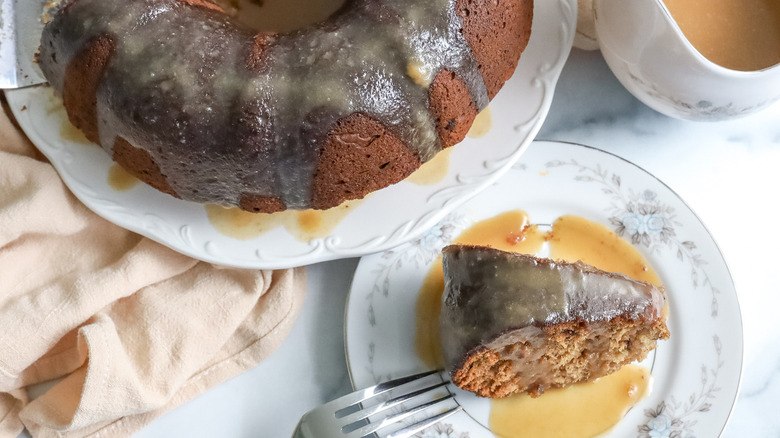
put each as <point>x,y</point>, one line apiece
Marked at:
<point>200,107</point>
<point>516,323</point>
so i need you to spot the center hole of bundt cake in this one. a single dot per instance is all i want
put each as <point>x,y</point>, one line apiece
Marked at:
<point>280,15</point>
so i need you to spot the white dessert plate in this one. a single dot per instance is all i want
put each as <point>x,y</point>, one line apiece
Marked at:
<point>385,219</point>
<point>696,373</point>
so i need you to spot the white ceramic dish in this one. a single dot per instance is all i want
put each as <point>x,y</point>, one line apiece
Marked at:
<point>646,50</point>
<point>696,372</point>
<point>385,219</point>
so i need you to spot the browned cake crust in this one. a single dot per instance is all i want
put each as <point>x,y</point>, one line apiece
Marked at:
<point>82,78</point>
<point>203,4</point>
<point>571,352</point>
<point>261,204</point>
<point>498,32</point>
<point>358,154</point>
<point>455,111</point>
<point>254,59</point>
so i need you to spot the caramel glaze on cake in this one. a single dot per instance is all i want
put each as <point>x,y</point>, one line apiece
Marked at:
<point>194,104</point>
<point>516,323</point>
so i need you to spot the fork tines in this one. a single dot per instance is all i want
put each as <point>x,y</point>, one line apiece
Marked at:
<point>421,399</point>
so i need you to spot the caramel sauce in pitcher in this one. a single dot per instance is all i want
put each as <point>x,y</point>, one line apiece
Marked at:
<point>736,34</point>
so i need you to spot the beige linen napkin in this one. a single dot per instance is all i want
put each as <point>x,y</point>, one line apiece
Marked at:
<point>129,327</point>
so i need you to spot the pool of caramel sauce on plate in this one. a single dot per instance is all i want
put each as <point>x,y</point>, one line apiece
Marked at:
<point>434,171</point>
<point>583,410</point>
<point>121,180</point>
<point>569,238</point>
<point>68,132</point>
<point>482,125</point>
<point>304,225</point>
<point>736,34</point>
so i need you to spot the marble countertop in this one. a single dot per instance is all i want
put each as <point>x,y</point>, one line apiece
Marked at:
<point>726,172</point>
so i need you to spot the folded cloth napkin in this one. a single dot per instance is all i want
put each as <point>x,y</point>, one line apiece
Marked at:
<point>127,328</point>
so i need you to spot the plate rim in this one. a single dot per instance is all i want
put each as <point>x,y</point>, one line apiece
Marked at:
<point>737,311</point>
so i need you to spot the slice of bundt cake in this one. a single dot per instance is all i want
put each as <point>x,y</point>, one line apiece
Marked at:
<point>516,323</point>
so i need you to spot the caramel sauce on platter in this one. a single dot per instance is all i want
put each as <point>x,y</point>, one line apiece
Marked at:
<point>591,408</point>
<point>304,225</point>
<point>121,180</point>
<point>482,125</point>
<point>740,35</point>
<point>68,132</point>
<point>434,171</point>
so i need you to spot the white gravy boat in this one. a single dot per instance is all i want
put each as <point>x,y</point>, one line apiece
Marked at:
<point>645,48</point>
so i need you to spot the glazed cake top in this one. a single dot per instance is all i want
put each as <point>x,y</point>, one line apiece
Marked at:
<point>489,292</point>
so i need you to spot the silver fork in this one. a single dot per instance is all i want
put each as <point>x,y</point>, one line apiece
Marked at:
<point>363,413</point>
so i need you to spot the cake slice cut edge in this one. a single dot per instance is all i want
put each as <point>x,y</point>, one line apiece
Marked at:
<point>514,323</point>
